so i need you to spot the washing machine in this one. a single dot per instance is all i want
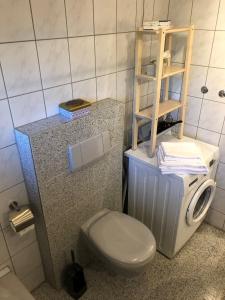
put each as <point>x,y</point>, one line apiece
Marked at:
<point>172,206</point>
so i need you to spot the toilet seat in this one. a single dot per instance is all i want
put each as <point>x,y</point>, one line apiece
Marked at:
<point>122,239</point>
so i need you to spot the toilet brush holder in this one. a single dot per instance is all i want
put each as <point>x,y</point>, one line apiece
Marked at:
<point>74,280</point>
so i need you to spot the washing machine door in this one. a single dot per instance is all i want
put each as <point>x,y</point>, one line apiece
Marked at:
<point>200,202</point>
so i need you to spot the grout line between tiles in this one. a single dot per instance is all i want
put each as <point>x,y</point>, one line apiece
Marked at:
<point>7,247</point>
<point>68,44</point>
<point>208,67</point>
<point>38,59</point>
<point>96,81</point>
<point>116,45</point>
<point>12,186</point>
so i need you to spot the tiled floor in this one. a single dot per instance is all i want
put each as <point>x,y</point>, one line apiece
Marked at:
<point>197,273</point>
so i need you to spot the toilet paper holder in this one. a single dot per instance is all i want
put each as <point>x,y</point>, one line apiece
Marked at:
<point>20,217</point>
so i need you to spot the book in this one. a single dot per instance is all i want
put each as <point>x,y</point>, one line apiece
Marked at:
<point>74,104</point>
<point>74,109</point>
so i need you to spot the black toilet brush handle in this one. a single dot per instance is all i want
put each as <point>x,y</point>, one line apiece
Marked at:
<point>73,256</point>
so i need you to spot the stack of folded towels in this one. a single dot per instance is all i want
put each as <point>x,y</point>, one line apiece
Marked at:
<point>180,158</point>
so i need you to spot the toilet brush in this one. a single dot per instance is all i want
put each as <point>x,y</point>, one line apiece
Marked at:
<point>74,280</point>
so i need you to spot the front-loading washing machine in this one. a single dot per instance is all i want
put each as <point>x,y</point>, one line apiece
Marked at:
<point>172,206</point>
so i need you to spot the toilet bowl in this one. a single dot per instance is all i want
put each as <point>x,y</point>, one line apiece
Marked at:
<point>124,243</point>
<point>11,288</point>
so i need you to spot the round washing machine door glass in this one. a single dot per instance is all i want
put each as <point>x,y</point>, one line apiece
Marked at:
<point>200,202</point>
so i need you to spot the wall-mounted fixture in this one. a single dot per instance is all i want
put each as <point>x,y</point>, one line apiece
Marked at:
<point>21,218</point>
<point>221,93</point>
<point>204,89</point>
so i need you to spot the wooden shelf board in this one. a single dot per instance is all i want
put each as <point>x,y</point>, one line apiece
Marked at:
<point>145,77</point>
<point>167,72</point>
<point>171,71</point>
<point>164,108</point>
<point>166,30</point>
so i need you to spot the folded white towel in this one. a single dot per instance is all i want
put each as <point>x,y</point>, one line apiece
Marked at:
<point>180,158</point>
<point>181,150</point>
<point>194,162</point>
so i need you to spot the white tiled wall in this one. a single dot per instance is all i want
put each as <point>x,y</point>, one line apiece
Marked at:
<point>205,118</point>
<point>52,51</point>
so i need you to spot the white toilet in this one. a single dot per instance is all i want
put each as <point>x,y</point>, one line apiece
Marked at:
<point>11,288</point>
<point>124,243</point>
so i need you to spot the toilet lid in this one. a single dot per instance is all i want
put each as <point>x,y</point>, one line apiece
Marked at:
<point>123,238</point>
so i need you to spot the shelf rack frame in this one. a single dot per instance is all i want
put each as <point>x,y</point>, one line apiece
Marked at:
<point>159,109</point>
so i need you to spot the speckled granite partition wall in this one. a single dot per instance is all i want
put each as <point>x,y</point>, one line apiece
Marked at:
<point>63,201</point>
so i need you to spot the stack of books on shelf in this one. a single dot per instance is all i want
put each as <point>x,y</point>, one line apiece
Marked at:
<point>75,109</point>
<point>154,25</point>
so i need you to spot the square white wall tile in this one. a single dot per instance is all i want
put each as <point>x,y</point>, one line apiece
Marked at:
<point>85,89</point>
<point>54,62</point>
<point>125,85</point>
<point>15,21</point>
<point>6,126</point>
<point>79,17</point>
<point>215,218</point>
<point>207,136</point>
<point>148,10</point>
<point>204,14</point>
<point>49,18</point>
<point>17,193</point>
<point>148,49</point>
<point>55,96</point>
<point>221,19</point>
<point>4,255</point>
<point>222,148</point>
<point>106,87</point>
<point>105,16</point>
<point>10,168</point>
<point>82,58</point>
<point>203,40</point>
<point>179,47</point>
<point>140,13</point>
<point>128,115</point>
<point>190,130</point>
<point>220,178</point>
<point>27,108</point>
<point>34,278</point>
<point>193,110</point>
<point>219,201</point>
<point>215,83</point>
<point>105,46</point>
<point>197,80</point>
<point>125,51</point>
<point>175,82</point>
<point>17,243</point>
<point>180,12</point>
<point>161,8</point>
<point>27,260</point>
<point>20,68</point>
<point>212,115</point>
<point>126,15</point>
<point>217,58</point>
<point>143,102</point>
<point>2,87</point>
